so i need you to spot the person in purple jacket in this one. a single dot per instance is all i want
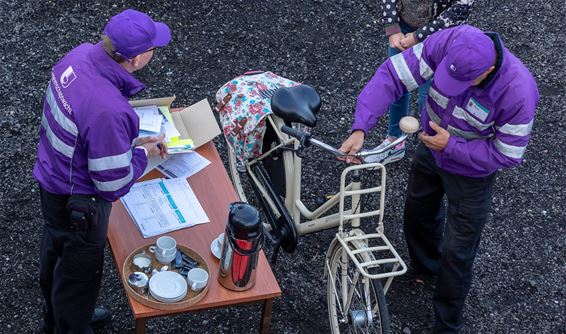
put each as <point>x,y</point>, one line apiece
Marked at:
<point>477,119</point>
<point>408,22</point>
<point>89,156</point>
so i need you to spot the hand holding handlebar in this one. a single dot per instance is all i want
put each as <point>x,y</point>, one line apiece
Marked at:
<point>349,151</point>
<point>352,145</point>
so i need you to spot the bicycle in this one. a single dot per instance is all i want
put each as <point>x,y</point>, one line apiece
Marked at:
<point>356,262</point>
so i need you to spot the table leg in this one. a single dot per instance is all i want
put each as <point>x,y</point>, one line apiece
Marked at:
<point>140,326</point>
<point>266,316</point>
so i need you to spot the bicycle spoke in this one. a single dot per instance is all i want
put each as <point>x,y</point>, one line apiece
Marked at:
<point>361,313</point>
<point>353,283</point>
<point>334,288</point>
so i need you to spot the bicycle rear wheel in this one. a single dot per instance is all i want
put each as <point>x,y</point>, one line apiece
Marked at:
<point>366,311</point>
<point>274,165</point>
<point>235,175</point>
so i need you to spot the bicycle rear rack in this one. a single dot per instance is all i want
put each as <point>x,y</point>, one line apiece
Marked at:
<point>373,250</point>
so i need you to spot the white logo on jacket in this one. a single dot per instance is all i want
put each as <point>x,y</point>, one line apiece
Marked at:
<point>67,77</point>
<point>453,68</point>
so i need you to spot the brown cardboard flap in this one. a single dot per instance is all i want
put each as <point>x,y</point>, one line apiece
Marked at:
<point>197,122</point>
<point>160,102</point>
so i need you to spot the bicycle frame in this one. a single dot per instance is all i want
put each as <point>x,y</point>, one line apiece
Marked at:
<point>315,221</point>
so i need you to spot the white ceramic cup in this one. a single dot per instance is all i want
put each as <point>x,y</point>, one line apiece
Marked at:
<point>164,259</point>
<point>197,279</point>
<point>165,249</point>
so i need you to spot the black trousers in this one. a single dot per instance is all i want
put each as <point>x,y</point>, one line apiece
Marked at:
<point>71,258</point>
<point>444,241</point>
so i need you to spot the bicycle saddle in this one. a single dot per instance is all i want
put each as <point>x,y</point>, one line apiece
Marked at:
<point>298,104</point>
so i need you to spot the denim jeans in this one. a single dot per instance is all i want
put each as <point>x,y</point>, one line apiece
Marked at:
<point>400,107</point>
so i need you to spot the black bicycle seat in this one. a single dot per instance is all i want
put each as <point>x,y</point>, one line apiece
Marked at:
<point>298,104</point>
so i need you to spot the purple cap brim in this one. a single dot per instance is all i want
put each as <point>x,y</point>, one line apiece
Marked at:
<point>446,83</point>
<point>162,35</point>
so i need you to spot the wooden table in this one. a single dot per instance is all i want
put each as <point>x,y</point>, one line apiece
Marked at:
<point>214,190</point>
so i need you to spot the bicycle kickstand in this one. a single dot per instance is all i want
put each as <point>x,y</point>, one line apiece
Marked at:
<point>276,249</point>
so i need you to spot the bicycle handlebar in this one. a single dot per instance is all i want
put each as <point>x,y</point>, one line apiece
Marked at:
<point>306,139</point>
<point>300,135</point>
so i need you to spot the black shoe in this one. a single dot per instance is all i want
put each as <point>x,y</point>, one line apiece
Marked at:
<point>100,317</point>
<point>412,276</point>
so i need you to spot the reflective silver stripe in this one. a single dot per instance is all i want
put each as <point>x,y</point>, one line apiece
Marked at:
<point>55,142</point>
<point>516,129</point>
<point>463,115</point>
<point>440,99</point>
<point>116,184</point>
<point>111,162</point>
<point>425,70</point>
<point>515,152</point>
<point>403,72</point>
<point>431,114</point>
<point>466,134</point>
<point>63,121</point>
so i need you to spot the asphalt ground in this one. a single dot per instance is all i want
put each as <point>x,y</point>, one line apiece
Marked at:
<point>335,46</point>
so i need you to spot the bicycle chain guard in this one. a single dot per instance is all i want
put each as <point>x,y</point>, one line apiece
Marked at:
<point>283,228</point>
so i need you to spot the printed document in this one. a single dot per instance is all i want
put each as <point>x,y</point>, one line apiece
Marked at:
<point>183,165</point>
<point>163,205</point>
<point>150,118</point>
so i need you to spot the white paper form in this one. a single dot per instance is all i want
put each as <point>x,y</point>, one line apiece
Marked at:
<point>168,127</point>
<point>150,118</point>
<point>183,165</point>
<point>163,205</point>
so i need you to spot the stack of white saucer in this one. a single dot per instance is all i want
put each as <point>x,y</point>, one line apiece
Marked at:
<point>216,246</point>
<point>167,286</point>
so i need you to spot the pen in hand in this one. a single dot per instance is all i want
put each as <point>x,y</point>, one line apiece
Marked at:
<point>163,148</point>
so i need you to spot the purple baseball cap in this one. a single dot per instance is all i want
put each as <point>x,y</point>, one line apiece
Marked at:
<point>133,33</point>
<point>469,56</point>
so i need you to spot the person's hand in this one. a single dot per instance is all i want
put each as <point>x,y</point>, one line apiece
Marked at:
<point>352,145</point>
<point>395,41</point>
<point>437,142</point>
<point>154,145</point>
<point>408,41</point>
<point>148,139</point>
<point>155,149</point>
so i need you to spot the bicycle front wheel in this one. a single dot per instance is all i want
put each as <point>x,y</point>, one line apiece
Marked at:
<point>356,304</point>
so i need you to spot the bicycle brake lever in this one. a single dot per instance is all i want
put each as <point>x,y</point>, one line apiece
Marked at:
<point>303,143</point>
<point>300,152</point>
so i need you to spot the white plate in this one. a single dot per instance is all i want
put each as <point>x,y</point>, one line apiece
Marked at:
<point>167,285</point>
<point>166,300</point>
<point>215,248</point>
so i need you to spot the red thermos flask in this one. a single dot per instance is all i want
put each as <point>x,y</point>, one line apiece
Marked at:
<point>242,242</point>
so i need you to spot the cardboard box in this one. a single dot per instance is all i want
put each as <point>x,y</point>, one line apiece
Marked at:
<point>195,122</point>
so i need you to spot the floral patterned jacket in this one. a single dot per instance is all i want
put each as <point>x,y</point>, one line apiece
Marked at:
<point>443,14</point>
<point>243,104</point>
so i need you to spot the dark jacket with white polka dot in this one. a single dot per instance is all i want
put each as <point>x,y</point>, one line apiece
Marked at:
<point>443,14</point>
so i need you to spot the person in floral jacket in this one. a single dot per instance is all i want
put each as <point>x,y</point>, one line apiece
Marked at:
<point>408,22</point>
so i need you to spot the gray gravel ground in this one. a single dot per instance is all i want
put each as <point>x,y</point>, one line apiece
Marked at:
<point>335,46</point>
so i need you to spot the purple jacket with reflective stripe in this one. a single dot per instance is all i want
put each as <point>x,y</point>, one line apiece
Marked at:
<point>489,124</point>
<point>87,127</point>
